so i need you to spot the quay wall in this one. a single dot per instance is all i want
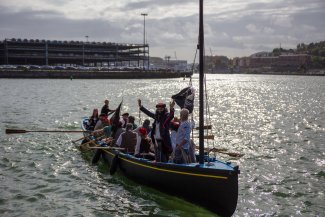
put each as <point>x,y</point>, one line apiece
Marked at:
<point>76,74</point>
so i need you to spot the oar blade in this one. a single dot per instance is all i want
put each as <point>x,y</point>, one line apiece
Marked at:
<point>13,131</point>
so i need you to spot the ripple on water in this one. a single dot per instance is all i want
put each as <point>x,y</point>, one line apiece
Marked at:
<point>276,121</point>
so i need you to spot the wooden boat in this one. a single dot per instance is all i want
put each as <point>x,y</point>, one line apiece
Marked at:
<point>211,183</point>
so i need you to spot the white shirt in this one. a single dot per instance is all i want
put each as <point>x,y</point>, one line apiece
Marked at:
<point>119,140</point>
<point>137,146</point>
<point>157,131</point>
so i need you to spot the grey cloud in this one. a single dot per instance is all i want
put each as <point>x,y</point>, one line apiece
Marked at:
<point>53,25</point>
<point>156,3</point>
<point>250,29</point>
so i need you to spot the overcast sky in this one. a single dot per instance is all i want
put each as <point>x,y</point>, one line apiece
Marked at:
<point>232,27</point>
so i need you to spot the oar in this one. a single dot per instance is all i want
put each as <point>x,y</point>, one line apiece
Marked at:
<point>207,127</point>
<point>207,137</point>
<point>213,149</point>
<point>107,147</point>
<point>223,151</point>
<point>13,131</point>
<point>231,154</point>
<point>74,141</point>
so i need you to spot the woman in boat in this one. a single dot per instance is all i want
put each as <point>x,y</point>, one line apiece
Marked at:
<point>183,139</point>
<point>144,147</point>
<point>92,121</point>
<point>102,122</point>
<point>160,131</point>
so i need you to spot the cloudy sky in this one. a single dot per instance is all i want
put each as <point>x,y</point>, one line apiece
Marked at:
<point>232,27</point>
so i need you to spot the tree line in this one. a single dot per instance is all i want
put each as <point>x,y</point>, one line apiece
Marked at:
<point>315,50</point>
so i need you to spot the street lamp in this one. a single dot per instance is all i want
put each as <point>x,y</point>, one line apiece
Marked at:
<point>144,36</point>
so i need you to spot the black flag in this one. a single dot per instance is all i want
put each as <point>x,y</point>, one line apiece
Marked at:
<point>185,98</point>
<point>115,119</point>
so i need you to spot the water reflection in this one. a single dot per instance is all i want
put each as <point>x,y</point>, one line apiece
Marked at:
<point>278,122</point>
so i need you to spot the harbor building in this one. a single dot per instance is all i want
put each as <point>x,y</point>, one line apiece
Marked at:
<point>47,52</point>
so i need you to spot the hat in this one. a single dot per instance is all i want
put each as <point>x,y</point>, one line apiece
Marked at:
<point>143,131</point>
<point>102,115</point>
<point>161,104</point>
<point>127,114</point>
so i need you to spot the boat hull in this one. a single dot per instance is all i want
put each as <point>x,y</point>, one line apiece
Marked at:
<point>214,189</point>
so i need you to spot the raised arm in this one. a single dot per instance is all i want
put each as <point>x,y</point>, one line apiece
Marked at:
<point>144,110</point>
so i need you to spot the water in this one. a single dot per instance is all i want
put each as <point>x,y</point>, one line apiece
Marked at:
<point>278,122</point>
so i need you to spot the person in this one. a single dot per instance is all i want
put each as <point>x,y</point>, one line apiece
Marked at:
<point>160,130</point>
<point>124,119</point>
<point>102,122</point>
<point>144,147</point>
<point>92,121</point>
<point>128,139</point>
<point>174,124</point>
<point>106,132</point>
<point>146,125</point>
<point>131,120</point>
<point>183,139</point>
<point>105,109</point>
<point>119,130</point>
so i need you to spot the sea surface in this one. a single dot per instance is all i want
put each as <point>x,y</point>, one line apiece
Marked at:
<point>277,122</point>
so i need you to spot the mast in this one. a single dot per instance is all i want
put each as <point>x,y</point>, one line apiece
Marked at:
<point>201,93</point>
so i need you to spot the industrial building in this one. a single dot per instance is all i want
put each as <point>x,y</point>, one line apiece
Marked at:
<point>46,52</point>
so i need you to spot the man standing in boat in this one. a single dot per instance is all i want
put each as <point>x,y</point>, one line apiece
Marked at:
<point>160,129</point>
<point>183,139</point>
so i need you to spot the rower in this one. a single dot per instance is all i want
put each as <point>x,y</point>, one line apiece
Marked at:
<point>128,139</point>
<point>144,147</point>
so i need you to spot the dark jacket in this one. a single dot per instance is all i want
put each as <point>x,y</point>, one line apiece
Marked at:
<point>105,110</point>
<point>164,128</point>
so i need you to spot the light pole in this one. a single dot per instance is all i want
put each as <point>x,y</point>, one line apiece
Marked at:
<point>83,51</point>
<point>144,36</point>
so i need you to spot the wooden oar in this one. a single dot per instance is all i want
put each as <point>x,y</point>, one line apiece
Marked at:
<point>207,127</point>
<point>74,141</point>
<point>231,154</point>
<point>207,137</point>
<point>107,147</point>
<point>213,149</point>
<point>13,131</point>
<point>223,151</point>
